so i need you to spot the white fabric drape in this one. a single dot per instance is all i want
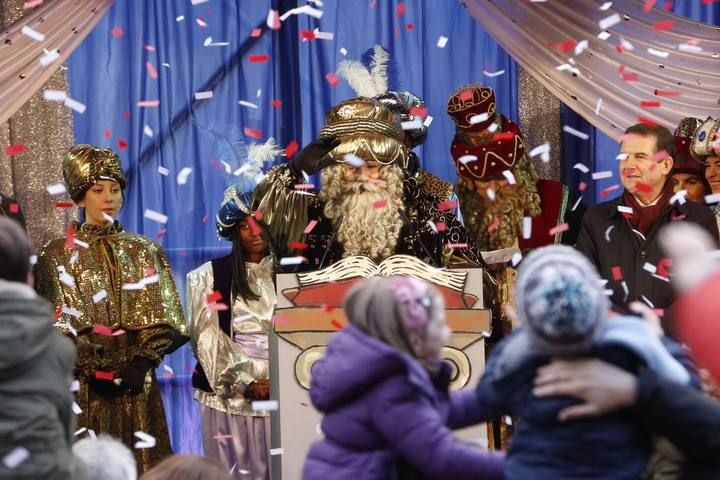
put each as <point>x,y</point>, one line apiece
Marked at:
<point>531,31</point>
<point>65,23</point>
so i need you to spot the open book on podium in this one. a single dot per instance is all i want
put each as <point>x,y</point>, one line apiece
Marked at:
<point>309,310</point>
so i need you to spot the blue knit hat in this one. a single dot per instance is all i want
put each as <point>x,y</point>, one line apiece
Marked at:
<point>560,299</point>
<point>233,209</point>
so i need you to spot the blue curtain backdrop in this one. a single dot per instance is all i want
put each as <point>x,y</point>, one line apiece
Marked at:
<point>109,72</point>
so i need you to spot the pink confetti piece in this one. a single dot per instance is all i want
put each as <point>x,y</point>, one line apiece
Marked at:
<point>494,225</point>
<point>256,33</point>
<point>336,324</point>
<point>447,205</point>
<point>441,227</point>
<point>650,104</point>
<point>118,332</point>
<point>32,4</point>
<point>253,132</point>
<point>380,204</point>
<point>558,229</point>
<point>117,32</point>
<point>310,226</point>
<point>606,191</point>
<point>278,320</point>
<point>332,79</point>
<point>217,307</point>
<point>152,73</point>
<point>148,103</point>
<point>457,245</point>
<point>102,330</point>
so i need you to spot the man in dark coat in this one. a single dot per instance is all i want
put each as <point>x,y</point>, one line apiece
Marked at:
<point>620,237</point>
<point>37,421</point>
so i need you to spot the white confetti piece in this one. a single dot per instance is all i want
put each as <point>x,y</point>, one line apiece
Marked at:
<point>247,104</point>
<point>268,405</point>
<point>577,203</point>
<point>99,296</point>
<point>490,194</point>
<point>658,53</point>
<point>343,51</point>
<point>67,279</point>
<point>607,232</point>
<point>276,451</point>
<point>80,243</point>
<point>581,167</point>
<point>76,408</point>
<point>479,118</point>
<point>203,95</point>
<point>542,150</point>
<point>168,369</point>
<point>182,177</point>
<point>80,431</point>
<point>56,189</point>
<point>713,198</point>
<point>685,47</point>
<point>602,174</point>
<point>148,131</point>
<point>527,227</point>
<point>49,57</point>
<point>493,74</point>
<point>71,311</point>
<point>509,177</point>
<point>605,6</point>
<point>258,94</point>
<point>306,9</point>
<point>54,95</point>
<point>155,216</point>
<point>581,46</point>
<point>75,386</point>
<point>679,197</point>
<point>647,300</point>
<point>180,18</point>
<point>442,41</point>
<point>649,267</point>
<point>207,42</point>
<point>34,34</point>
<point>492,127</point>
<point>603,35</point>
<point>577,133</point>
<point>413,124</point>
<point>108,218</point>
<point>467,158</point>
<point>621,156</point>
<point>598,106</point>
<point>568,67</point>
<point>33,259</point>
<point>75,257</point>
<point>292,260</point>
<point>15,457</point>
<point>75,105</point>
<point>242,318</point>
<point>354,160</point>
<point>323,35</point>
<point>428,121</point>
<point>626,45</point>
<point>145,440</point>
<point>625,209</point>
<point>91,433</point>
<point>608,22</point>
<point>432,226</point>
<point>198,2</point>
<point>201,22</point>
<point>516,258</point>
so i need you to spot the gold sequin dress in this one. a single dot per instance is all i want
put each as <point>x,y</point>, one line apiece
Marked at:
<point>123,281</point>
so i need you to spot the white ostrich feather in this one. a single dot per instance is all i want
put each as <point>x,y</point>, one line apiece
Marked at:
<point>359,78</point>
<point>379,69</point>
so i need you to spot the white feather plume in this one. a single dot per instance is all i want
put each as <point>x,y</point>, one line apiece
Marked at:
<point>259,153</point>
<point>359,78</point>
<point>379,69</point>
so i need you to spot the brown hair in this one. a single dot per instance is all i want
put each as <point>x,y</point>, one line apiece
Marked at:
<point>187,467</point>
<point>14,252</point>
<point>664,140</point>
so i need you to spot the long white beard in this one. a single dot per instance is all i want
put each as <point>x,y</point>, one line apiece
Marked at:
<point>364,229</point>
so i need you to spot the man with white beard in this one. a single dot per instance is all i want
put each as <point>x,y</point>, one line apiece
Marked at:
<point>366,205</point>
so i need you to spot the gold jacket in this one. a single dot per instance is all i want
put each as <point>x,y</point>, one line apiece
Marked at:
<point>132,270</point>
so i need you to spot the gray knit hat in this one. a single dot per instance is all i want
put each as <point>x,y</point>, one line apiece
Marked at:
<point>560,299</point>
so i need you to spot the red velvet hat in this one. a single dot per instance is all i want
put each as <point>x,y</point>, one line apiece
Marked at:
<point>478,153</point>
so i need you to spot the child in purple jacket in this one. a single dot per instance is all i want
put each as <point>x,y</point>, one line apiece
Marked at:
<point>383,390</point>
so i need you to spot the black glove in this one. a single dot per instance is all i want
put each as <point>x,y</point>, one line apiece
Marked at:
<point>133,376</point>
<point>311,159</point>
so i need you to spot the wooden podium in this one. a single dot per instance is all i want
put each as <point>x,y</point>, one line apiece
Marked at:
<point>300,336</point>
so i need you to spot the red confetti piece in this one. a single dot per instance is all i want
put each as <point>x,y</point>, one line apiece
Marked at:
<point>149,48</point>
<point>558,229</point>
<point>643,187</point>
<point>161,233</point>
<point>409,26</point>
<point>298,245</point>
<point>126,116</point>
<point>582,186</point>
<point>15,149</point>
<point>216,296</point>
<point>70,237</point>
<point>606,191</point>
<point>647,121</point>
<point>620,49</point>
<point>122,144</point>
<point>503,136</point>
<point>149,272</point>
<point>256,33</point>
<point>667,93</point>
<point>14,208</point>
<point>708,2</point>
<point>441,227</point>
<point>276,104</point>
<point>566,46</point>
<point>58,312</point>
<point>102,330</point>
<point>328,308</point>
<point>291,149</point>
<point>466,95</point>
<point>104,375</point>
<point>258,58</point>
<point>253,226</point>
<point>666,25</point>
<point>380,204</point>
<point>447,205</point>
<point>494,225</point>
<point>117,32</point>
<point>617,273</point>
<point>421,112</point>
<point>650,104</point>
<point>307,34</point>
<point>401,9</point>
<point>336,324</point>
<point>648,5</point>
<point>332,79</point>
<point>152,73</point>
<point>621,68</point>
<point>108,133</point>
<point>253,132</point>
<point>64,205</point>
<point>662,267</point>
<point>668,5</point>
<point>310,226</point>
<point>630,77</point>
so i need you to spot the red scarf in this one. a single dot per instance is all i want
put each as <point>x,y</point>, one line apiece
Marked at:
<point>644,217</point>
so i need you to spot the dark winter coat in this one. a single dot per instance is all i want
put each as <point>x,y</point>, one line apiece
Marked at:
<point>36,366</point>
<point>381,408</point>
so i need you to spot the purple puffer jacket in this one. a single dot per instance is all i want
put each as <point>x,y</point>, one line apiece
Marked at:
<point>382,406</point>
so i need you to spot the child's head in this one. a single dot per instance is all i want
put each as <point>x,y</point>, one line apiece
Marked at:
<point>404,312</point>
<point>560,299</point>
